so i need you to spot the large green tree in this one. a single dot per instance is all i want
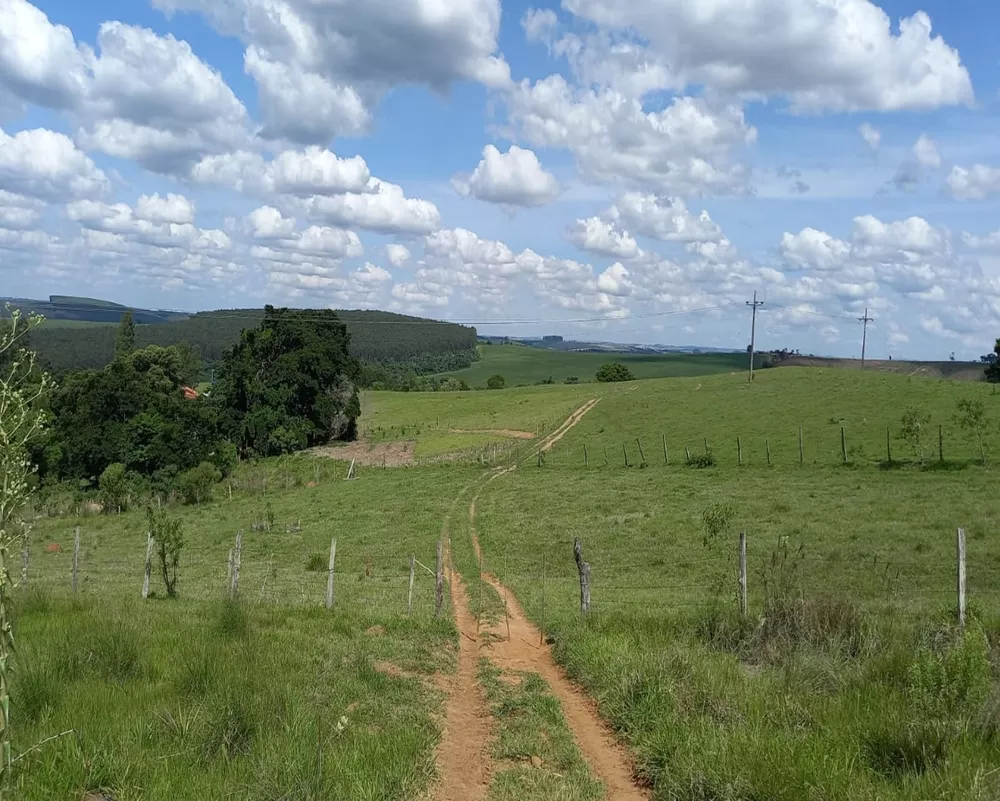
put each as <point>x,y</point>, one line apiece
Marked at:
<point>134,413</point>
<point>125,338</point>
<point>290,383</point>
<point>993,369</point>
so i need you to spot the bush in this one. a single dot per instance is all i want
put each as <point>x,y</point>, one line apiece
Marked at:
<point>166,533</point>
<point>114,488</point>
<point>196,484</point>
<point>614,372</point>
<point>573,380</point>
<point>316,563</point>
<point>496,382</point>
<point>953,679</point>
<point>701,460</point>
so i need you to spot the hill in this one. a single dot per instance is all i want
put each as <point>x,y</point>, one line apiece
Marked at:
<point>376,336</point>
<point>522,364</point>
<point>958,371</point>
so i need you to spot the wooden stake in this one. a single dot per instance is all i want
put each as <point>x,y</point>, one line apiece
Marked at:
<point>739,451</point>
<point>687,454</point>
<point>888,446</point>
<point>584,569</point>
<point>149,565</point>
<point>843,444</point>
<point>707,450</point>
<point>541,630</point>
<point>605,455</point>
<point>330,574</point>
<point>744,607</point>
<point>237,561</point>
<point>586,461</point>
<point>941,444</point>
<point>666,459</point>
<point>76,556</point>
<point>802,454</point>
<point>642,456</point>
<point>767,447</point>
<point>960,543</point>
<point>409,594</point>
<point>625,451</point>
<point>439,580</point>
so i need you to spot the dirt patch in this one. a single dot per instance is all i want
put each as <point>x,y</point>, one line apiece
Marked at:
<point>501,432</point>
<point>375,631</point>
<point>389,669</point>
<point>366,454</point>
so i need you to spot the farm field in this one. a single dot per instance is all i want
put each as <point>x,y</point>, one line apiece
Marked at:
<point>519,364</point>
<point>848,678</point>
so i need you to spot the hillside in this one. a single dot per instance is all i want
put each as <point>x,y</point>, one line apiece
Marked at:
<point>375,337</point>
<point>521,364</point>
<point>958,371</point>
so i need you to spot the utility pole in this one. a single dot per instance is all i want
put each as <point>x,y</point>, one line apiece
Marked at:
<point>753,330</point>
<point>864,336</point>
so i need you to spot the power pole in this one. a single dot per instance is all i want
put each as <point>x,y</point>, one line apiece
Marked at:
<point>864,336</point>
<point>753,330</point>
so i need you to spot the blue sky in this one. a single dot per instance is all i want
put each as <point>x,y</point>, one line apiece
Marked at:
<point>629,172</point>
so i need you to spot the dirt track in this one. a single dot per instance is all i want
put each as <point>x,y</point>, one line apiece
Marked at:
<point>463,756</point>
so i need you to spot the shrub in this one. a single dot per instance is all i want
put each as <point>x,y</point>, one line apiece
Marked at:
<point>912,429</point>
<point>196,484</point>
<point>573,380</point>
<point>701,460</point>
<point>169,539</point>
<point>496,382</point>
<point>614,372</point>
<point>953,679</point>
<point>114,488</point>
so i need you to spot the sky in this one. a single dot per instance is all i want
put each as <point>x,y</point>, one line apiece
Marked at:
<point>605,170</point>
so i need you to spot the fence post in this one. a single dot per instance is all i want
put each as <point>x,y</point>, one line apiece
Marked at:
<point>625,451</point>
<point>439,580</point>
<point>666,460</point>
<point>744,607</point>
<point>76,556</point>
<point>642,456</point>
<point>941,443</point>
<point>739,451</point>
<point>767,447</point>
<point>237,561</point>
<point>409,595</point>
<point>843,444</point>
<point>687,454</point>
<point>802,455</point>
<point>961,576</point>
<point>707,451</point>
<point>329,576</point>
<point>586,461</point>
<point>584,570</point>
<point>149,565</point>
<point>605,455</point>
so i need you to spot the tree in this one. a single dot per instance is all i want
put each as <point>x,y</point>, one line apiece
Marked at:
<point>22,420</point>
<point>614,372</point>
<point>114,487</point>
<point>496,382</point>
<point>992,371</point>
<point>196,484</point>
<point>125,339</point>
<point>290,383</point>
<point>169,538</point>
<point>912,429</point>
<point>971,415</point>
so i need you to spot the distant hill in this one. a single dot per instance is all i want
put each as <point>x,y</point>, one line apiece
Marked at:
<point>80,334</point>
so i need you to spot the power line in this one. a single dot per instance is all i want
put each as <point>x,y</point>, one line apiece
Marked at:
<point>864,337</point>
<point>753,330</point>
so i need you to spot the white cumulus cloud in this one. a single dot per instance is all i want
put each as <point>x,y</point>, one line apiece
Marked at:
<point>514,178</point>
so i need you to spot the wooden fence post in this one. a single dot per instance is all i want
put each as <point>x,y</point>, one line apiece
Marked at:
<point>843,444</point>
<point>76,556</point>
<point>584,570</point>
<point>767,447</point>
<point>687,454</point>
<point>439,580</point>
<point>941,444</point>
<point>149,565</point>
<point>802,455</point>
<point>642,456</point>
<point>409,595</point>
<point>739,451</point>
<point>707,450</point>
<point>744,607</point>
<point>605,455</point>
<point>330,574</point>
<point>666,459</point>
<point>237,561</point>
<point>960,542</point>
<point>625,451</point>
<point>888,447</point>
<point>586,461</point>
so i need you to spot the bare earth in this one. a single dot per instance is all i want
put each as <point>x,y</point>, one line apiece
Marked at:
<point>501,432</point>
<point>392,454</point>
<point>463,756</point>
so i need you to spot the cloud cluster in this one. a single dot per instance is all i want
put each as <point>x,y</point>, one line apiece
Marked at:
<point>514,178</point>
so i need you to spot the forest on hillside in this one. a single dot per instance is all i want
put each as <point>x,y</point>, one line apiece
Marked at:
<point>380,338</point>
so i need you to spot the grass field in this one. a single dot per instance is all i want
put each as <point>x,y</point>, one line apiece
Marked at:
<point>519,365</point>
<point>848,680</point>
